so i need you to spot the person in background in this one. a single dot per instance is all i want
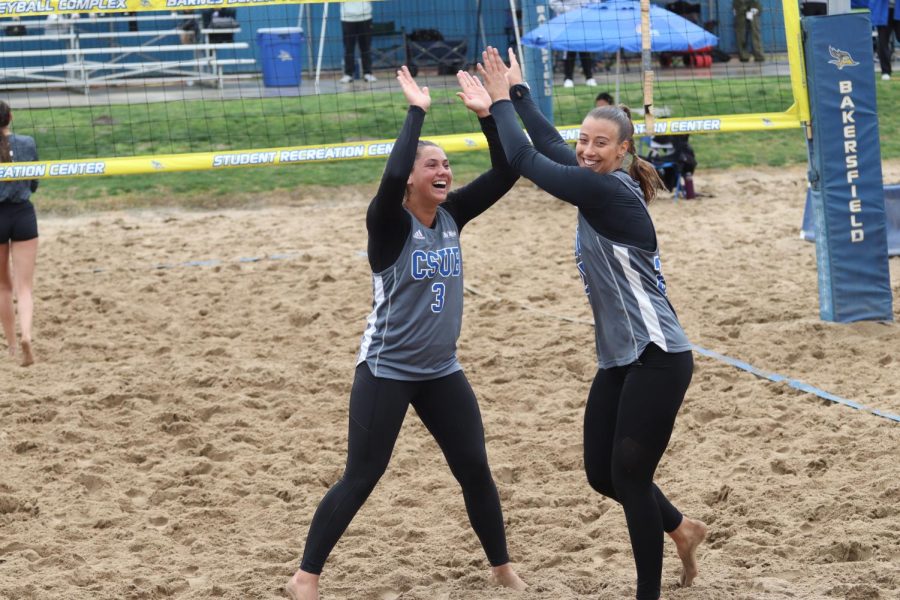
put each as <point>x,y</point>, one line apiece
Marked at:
<point>561,7</point>
<point>18,240</point>
<point>356,28</point>
<point>603,99</point>
<point>748,13</point>
<point>886,20</point>
<point>674,149</point>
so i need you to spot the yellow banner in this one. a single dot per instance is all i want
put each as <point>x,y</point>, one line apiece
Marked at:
<point>204,161</point>
<point>32,8</point>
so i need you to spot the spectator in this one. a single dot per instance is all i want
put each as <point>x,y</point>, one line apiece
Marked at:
<point>587,60</point>
<point>18,240</point>
<point>356,27</point>
<point>886,20</point>
<point>674,149</point>
<point>747,13</point>
<point>603,99</point>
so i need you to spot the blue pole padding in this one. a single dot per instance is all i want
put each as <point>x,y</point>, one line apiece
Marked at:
<point>845,170</point>
<point>538,62</point>
<point>891,212</point>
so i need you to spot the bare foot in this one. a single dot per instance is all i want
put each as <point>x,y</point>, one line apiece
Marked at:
<point>12,351</point>
<point>303,586</point>
<point>689,535</point>
<point>27,356</point>
<point>505,576</point>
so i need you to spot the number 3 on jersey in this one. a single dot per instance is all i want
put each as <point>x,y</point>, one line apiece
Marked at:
<point>438,289</point>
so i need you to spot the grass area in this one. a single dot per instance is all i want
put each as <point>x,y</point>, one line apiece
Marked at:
<point>238,124</point>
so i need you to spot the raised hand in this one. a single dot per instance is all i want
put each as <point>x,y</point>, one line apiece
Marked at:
<point>493,71</point>
<point>473,94</point>
<point>514,75</point>
<point>415,95</point>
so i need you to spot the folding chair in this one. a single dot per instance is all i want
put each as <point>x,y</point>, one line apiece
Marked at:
<point>662,157</point>
<point>448,55</point>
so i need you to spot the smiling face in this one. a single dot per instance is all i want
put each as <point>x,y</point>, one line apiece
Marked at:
<point>598,147</point>
<point>430,179</point>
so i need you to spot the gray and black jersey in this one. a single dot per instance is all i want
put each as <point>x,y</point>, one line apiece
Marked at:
<point>22,149</point>
<point>627,293</point>
<point>412,330</point>
<point>417,270</point>
<point>616,244</point>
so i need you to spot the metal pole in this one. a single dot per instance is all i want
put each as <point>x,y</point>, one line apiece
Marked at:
<point>304,14</point>
<point>518,34</point>
<point>321,46</point>
<point>646,63</point>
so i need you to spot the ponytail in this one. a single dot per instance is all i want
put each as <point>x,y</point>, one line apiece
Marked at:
<point>5,118</point>
<point>640,170</point>
<point>645,174</point>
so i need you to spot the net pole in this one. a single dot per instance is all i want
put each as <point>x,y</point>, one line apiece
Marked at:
<point>618,72</point>
<point>321,46</point>
<point>518,34</point>
<point>306,15</point>
<point>646,63</point>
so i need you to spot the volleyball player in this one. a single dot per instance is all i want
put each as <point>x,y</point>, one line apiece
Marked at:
<point>408,350</point>
<point>18,240</point>
<point>644,358</point>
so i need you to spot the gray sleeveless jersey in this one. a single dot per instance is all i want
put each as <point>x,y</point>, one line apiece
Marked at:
<point>417,308</point>
<point>627,292</point>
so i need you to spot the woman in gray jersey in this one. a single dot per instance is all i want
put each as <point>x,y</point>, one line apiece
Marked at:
<point>18,240</point>
<point>644,358</point>
<point>408,351</point>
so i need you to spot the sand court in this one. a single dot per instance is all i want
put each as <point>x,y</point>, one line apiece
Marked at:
<point>189,409</point>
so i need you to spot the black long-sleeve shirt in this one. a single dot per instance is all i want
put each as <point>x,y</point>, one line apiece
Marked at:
<point>609,206</point>
<point>388,222</point>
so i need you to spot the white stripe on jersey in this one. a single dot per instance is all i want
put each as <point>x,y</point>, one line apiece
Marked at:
<point>378,287</point>
<point>380,297</point>
<point>615,280</point>
<point>648,313</point>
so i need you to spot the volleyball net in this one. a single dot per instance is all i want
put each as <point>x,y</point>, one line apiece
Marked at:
<point>110,87</point>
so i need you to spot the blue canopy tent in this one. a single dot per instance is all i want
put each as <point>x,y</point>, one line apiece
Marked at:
<point>615,26</point>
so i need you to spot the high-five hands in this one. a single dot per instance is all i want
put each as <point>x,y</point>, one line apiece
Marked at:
<point>415,95</point>
<point>514,75</point>
<point>494,72</point>
<point>473,94</point>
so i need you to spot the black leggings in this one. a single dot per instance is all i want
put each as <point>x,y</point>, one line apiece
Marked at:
<point>885,46</point>
<point>448,408</point>
<point>587,64</point>
<point>357,33</point>
<point>627,425</point>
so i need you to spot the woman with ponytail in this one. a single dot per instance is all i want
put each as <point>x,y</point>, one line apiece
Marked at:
<point>18,239</point>
<point>644,358</point>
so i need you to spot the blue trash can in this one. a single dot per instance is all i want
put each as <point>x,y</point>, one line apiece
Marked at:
<point>281,55</point>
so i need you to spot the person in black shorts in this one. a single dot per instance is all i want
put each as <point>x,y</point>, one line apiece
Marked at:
<point>408,350</point>
<point>18,240</point>
<point>644,359</point>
